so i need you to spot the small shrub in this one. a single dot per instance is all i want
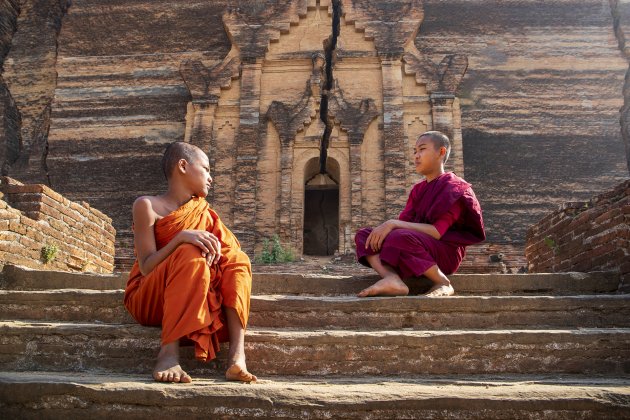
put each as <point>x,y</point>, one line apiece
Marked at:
<point>273,252</point>
<point>49,252</point>
<point>551,244</point>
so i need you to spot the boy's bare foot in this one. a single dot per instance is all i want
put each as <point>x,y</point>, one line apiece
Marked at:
<point>167,368</point>
<point>440,290</point>
<point>388,286</point>
<point>238,373</point>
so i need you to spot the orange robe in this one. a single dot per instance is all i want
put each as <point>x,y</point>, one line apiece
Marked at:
<point>185,296</point>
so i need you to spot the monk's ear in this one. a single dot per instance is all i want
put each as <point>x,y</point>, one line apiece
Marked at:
<point>182,165</point>
<point>442,153</point>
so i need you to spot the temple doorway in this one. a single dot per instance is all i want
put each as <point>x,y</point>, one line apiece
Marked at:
<point>321,212</point>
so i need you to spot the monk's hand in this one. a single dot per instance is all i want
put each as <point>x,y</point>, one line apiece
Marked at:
<point>207,242</point>
<point>214,255</point>
<point>377,236</point>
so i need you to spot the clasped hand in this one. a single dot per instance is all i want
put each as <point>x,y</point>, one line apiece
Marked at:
<point>377,236</point>
<point>207,242</point>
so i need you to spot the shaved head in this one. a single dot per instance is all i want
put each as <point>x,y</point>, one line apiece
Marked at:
<point>439,140</point>
<point>175,152</point>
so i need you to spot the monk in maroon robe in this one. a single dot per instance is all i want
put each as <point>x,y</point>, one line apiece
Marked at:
<point>429,238</point>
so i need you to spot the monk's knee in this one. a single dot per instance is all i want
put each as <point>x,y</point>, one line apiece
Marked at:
<point>361,237</point>
<point>405,236</point>
<point>187,252</point>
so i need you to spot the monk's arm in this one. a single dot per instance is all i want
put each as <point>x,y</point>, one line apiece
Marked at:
<point>377,236</point>
<point>418,227</point>
<point>144,238</point>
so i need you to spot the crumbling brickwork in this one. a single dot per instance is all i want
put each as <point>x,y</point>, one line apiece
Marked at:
<point>34,216</point>
<point>584,236</point>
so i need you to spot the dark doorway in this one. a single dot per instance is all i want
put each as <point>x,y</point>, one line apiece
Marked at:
<point>321,219</point>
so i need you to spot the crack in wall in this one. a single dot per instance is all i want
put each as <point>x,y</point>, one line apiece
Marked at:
<point>57,22</point>
<point>329,48</point>
<point>624,117</point>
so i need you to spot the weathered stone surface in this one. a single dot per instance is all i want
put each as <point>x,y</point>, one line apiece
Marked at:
<point>30,75</point>
<point>505,356</point>
<point>131,348</point>
<point>277,311</point>
<point>37,395</point>
<point>621,20</point>
<point>17,278</point>
<point>10,121</point>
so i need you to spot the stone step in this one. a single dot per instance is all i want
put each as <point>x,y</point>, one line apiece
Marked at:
<point>279,311</point>
<point>132,349</point>
<point>17,278</point>
<point>94,396</point>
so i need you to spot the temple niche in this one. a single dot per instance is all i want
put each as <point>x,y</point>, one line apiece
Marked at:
<point>311,118</point>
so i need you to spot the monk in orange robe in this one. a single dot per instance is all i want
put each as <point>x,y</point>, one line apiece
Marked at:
<point>190,276</point>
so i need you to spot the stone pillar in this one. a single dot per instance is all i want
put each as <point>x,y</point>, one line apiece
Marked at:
<point>446,120</point>
<point>286,180</point>
<point>394,144</point>
<point>356,196</point>
<point>247,141</point>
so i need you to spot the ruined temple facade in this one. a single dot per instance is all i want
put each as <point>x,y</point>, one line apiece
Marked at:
<point>309,109</point>
<point>311,118</point>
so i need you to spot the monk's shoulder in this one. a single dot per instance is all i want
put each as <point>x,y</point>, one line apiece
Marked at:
<point>146,206</point>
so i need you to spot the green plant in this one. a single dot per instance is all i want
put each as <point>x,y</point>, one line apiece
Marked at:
<point>273,252</point>
<point>551,243</point>
<point>49,252</point>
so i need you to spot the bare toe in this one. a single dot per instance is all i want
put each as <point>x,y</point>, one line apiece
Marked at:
<point>237,373</point>
<point>171,373</point>
<point>387,286</point>
<point>440,290</point>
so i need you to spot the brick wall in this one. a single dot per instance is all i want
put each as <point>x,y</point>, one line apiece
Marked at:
<point>584,236</point>
<point>493,258</point>
<point>34,216</point>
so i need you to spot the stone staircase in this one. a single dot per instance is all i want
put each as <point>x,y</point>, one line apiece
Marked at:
<point>507,346</point>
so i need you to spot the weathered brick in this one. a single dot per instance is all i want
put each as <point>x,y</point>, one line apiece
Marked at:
<point>16,189</point>
<point>29,243</point>
<point>54,195</point>
<point>50,211</point>
<point>8,214</point>
<point>604,237</point>
<point>17,227</point>
<point>610,260</point>
<point>72,223</point>
<point>59,225</point>
<point>28,222</point>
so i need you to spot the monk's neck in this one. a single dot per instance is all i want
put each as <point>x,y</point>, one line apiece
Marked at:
<point>177,197</point>
<point>433,175</point>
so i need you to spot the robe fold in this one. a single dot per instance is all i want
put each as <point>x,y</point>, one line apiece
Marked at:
<point>411,252</point>
<point>182,294</point>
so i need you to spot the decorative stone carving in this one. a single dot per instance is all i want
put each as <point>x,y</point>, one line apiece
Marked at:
<point>353,116</point>
<point>204,84</point>
<point>391,24</point>
<point>439,78</point>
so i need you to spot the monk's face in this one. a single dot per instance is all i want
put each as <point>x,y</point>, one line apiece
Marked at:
<point>198,175</point>
<point>427,157</point>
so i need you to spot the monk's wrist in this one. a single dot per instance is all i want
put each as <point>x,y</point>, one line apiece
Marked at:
<point>393,224</point>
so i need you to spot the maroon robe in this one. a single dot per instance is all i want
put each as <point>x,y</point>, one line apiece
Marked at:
<point>412,253</point>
